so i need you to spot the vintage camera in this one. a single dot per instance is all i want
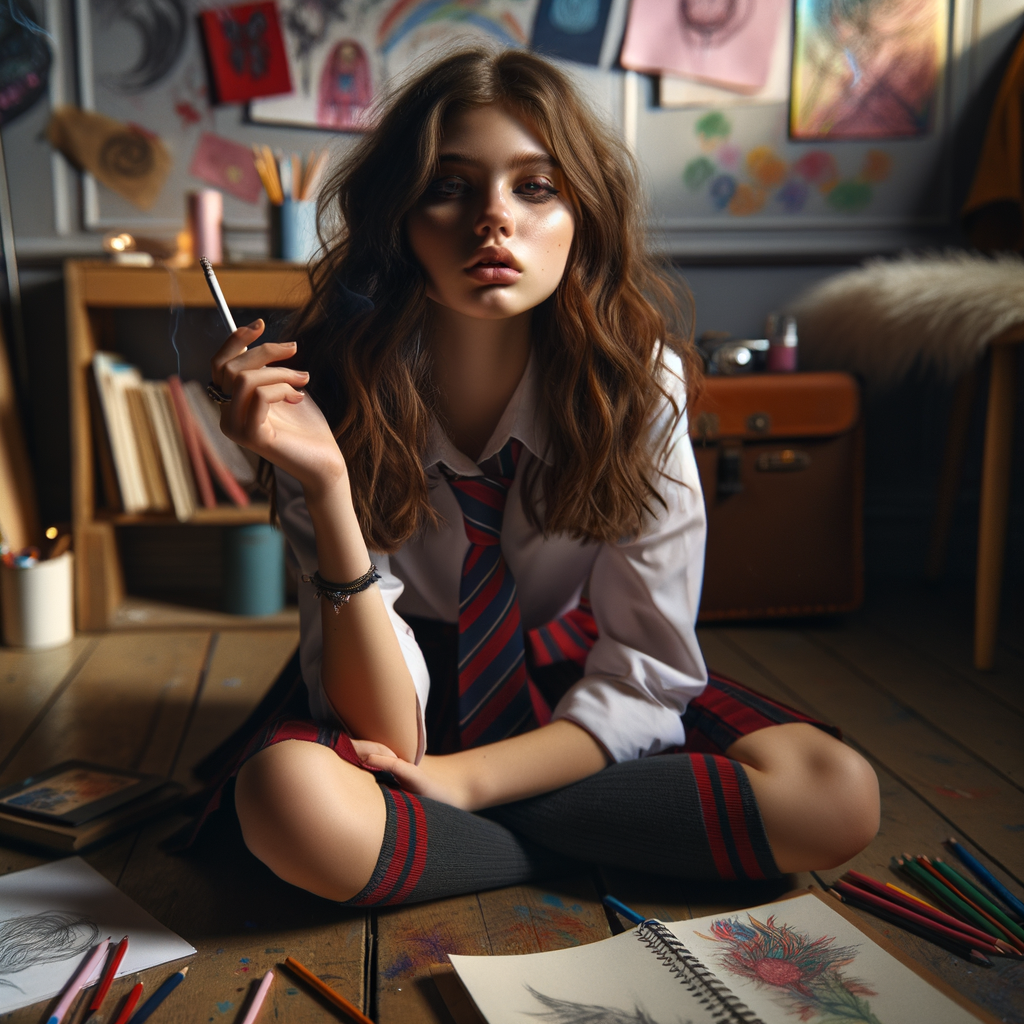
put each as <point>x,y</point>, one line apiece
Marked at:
<point>726,355</point>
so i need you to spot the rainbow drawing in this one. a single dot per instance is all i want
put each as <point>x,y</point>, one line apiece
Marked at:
<point>408,15</point>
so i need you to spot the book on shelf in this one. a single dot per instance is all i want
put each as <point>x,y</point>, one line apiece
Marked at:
<point>176,466</point>
<point>160,444</point>
<point>805,957</point>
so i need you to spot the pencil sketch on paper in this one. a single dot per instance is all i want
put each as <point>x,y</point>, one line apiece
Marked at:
<point>804,976</point>
<point>568,1011</point>
<point>43,938</point>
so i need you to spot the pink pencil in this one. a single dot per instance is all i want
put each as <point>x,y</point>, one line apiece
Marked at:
<point>78,981</point>
<point>257,1000</point>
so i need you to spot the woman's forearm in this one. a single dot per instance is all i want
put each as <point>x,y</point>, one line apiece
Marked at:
<point>363,671</point>
<point>535,762</point>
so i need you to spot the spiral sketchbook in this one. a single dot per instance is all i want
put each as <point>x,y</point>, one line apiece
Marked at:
<point>799,959</point>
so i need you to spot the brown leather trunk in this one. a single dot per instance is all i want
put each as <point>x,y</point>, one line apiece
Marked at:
<point>781,461</point>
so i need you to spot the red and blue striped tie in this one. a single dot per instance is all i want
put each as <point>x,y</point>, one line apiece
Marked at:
<point>496,699</point>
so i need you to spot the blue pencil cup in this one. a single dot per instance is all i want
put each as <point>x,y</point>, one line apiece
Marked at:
<point>293,230</point>
<point>253,570</point>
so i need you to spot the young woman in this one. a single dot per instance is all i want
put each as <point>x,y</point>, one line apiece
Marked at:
<point>491,414</point>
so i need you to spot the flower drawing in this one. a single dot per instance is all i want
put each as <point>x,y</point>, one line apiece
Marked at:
<point>804,975</point>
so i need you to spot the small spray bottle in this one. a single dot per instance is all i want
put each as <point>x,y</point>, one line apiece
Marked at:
<point>782,354</point>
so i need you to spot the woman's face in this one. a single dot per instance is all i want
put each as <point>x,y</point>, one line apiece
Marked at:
<point>493,230</point>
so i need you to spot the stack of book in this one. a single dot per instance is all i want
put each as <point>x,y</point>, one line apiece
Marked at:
<point>161,447</point>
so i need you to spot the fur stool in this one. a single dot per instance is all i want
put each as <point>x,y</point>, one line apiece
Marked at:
<point>937,314</point>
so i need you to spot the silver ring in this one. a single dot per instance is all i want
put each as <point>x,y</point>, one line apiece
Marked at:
<point>216,394</point>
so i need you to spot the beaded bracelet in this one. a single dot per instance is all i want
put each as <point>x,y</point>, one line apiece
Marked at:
<point>339,593</point>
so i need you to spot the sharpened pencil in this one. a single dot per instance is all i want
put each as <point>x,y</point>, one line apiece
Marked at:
<point>129,1004</point>
<point>78,981</point>
<point>896,895</point>
<point>325,990</point>
<point>898,913</point>
<point>153,1002</point>
<point>108,977</point>
<point>621,908</point>
<point>972,892</point>
<point>959,948</point>
<point>986,877</point>
<point>945,895</point>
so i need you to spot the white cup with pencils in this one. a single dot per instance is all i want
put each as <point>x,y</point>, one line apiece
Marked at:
<point>36,600</point>
<point>291,184</point>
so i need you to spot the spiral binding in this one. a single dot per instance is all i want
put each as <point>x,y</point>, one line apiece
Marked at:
<point>699,981</point>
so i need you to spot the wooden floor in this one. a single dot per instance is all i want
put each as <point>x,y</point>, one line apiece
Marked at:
<point>897,677</point>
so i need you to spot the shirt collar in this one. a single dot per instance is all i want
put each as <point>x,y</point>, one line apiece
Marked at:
<point>521,419</point>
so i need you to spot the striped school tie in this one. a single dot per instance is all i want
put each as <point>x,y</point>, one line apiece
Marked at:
<point>495,699</point>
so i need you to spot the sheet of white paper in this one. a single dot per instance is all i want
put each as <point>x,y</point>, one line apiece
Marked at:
<point>52,915</point>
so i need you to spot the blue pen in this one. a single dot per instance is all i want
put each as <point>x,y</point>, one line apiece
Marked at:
<point>159,996</point>
<point>621,908</point>
<point>987,878</point>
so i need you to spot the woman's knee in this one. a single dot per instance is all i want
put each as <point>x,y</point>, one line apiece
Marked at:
<point>818,797</point>
<point>314,819</point>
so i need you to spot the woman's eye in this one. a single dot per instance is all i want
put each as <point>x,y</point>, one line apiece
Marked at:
<point>539,189</point>
<point>448,188</point>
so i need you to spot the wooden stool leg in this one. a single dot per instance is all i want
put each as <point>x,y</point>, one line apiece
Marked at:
<point>995,497</point>
<point>952,471</point>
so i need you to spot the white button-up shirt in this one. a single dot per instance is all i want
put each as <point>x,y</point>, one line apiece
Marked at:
<point>646,664</point>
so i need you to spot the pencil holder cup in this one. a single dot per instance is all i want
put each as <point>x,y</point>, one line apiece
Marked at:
<point>253,570</point>
<point>293,230</point>
<point>36,603</point>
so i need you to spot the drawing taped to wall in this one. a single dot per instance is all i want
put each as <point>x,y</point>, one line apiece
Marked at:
<point>867,69</point>
<point>25,67</point>
<point>161,30</point>
<point>343,60</point>
<point>724,42</point>
<point>741,183</point>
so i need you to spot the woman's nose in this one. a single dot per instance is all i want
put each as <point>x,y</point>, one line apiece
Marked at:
<point>496,215</point>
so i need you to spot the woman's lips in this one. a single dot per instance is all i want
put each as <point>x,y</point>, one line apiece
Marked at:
<point>494,273</point>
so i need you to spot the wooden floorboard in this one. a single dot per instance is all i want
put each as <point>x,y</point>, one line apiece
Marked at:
<point>897,677</point>
<point>967,793</point>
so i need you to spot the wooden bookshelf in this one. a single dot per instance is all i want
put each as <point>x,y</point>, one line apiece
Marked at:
<point>95,289</point>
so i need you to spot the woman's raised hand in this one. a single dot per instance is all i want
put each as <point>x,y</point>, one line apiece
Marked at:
<point>269,413</point>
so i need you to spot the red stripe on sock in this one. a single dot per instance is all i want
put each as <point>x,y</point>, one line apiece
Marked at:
<point>737,819</point>
<point>712,826</point>
<point>398,855</point>
<point>419,852</point>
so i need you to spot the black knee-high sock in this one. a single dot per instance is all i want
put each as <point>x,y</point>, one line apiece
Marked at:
<point>432,850</point>
<point>684,815</point>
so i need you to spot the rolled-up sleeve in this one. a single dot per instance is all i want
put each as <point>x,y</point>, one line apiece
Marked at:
<point>301,544</point>
<point>646,664</point>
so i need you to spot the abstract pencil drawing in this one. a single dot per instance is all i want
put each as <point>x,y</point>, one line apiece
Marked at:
<point>714,22</point>
<point>568,1011</point>
<point>803,975</point>
<point>867,68</point>
<point>162,30</point>
<point>42,938</point>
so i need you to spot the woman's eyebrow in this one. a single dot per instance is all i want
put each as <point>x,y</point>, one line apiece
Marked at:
<point>543,160</point>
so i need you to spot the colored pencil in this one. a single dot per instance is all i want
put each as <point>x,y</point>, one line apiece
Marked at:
<point>129,1004</point>
<point>108,976</point>
<point>909,895</point>
<point>1002,930</point>
<point>986,877</point>
<point>78,981</point>
<point>959,948</point>
<point>896,895</point>
<point>984,903</point>
<point>257,1000</point>
<point>874,902</point>
<point>325,990</point>
<point>945,895</point>
<point>153,1002</point>
<point>620,908</point>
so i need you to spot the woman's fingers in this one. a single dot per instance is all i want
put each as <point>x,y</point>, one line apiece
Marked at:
<point>237,343</point>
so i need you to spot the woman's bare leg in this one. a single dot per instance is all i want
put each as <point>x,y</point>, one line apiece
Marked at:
<point>818,797</point>
<point>314,819</point>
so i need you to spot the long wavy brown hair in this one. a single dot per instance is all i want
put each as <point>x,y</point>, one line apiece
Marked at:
<point>598,340</point>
